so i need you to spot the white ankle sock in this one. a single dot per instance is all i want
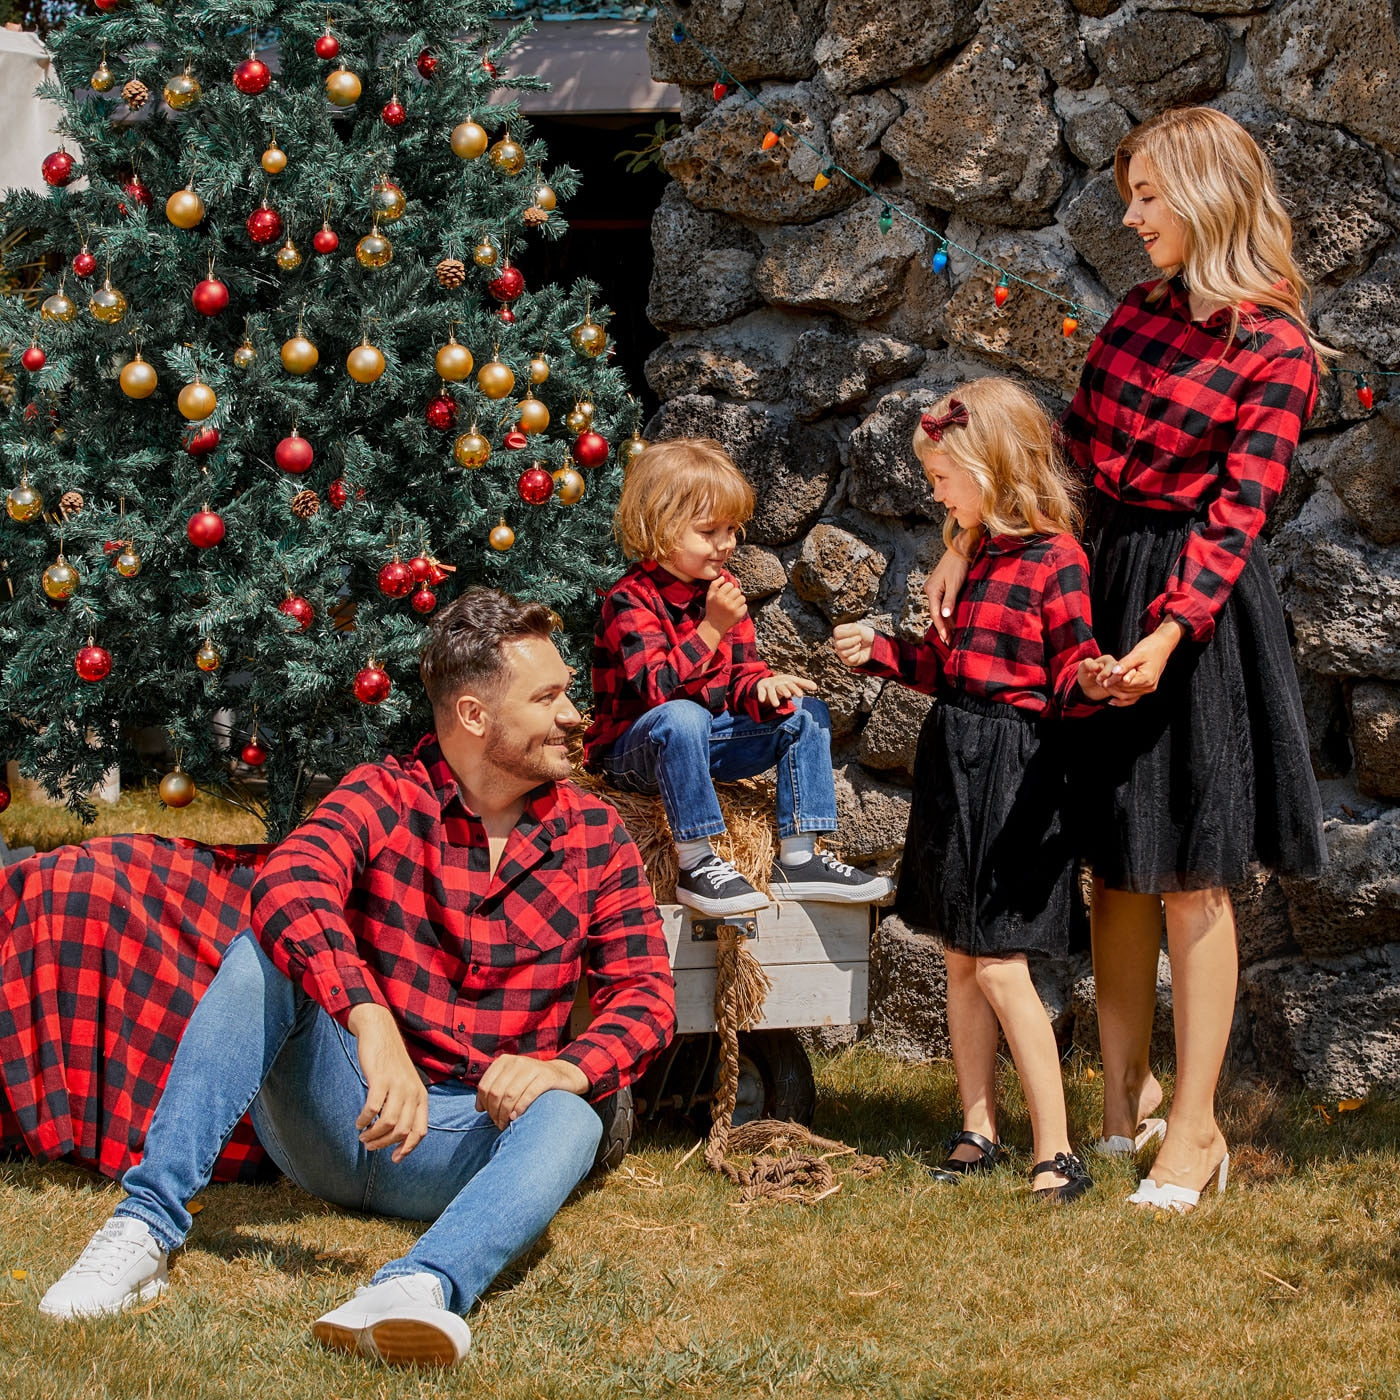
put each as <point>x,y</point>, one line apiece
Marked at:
<point>691,853</point>
<point>796,850</point>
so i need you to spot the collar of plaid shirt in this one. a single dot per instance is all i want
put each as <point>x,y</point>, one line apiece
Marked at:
<point>679,592</point>
<point>541,812</point>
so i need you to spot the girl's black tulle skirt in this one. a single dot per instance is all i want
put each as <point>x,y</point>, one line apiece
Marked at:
<point>989,858</point>
<point>1208,779</point>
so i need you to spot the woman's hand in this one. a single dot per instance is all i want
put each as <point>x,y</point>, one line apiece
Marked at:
<point>942,587</point>
<point>1138,673</point>
<point>853,642</point>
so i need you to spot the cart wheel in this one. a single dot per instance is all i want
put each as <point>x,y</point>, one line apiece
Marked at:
<point>775,1081</point>
<point>619,1124</point>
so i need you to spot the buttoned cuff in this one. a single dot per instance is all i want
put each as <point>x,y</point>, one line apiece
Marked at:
<point>337,986</point>
<point>598,1065</point>
<point>1198,623</point>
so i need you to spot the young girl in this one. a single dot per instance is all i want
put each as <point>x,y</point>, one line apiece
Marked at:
<point>1190,407</point>
<point>682,698</point>
<point>988,860</point>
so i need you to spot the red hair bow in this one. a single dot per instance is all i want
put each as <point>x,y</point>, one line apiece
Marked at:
<point>956,417</point>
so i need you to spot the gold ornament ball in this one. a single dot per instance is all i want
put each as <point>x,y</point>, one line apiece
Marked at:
<point>196,401</point>
<point>108,305</point>
<point>545,198</point>
<point>576,420</point>
<point>61,580</point>
<point>274,159</point>
<point>103,79</point>
<point>471,449</point>
<point>485,254</point>
<point>630,449</point>
<point>508,156</point>
<point>589,338</point>
<point>388,202</point>
<point>534,416</point>
<point>453,361</point>
<point>24,503</point>
<point>495,379</point>
<point>138,379</point>
<point>244,356</point>
<point>585,407</point>
<point>469,140</point>
<point>343,88</point>
<point>136,94</point>
<point>365,364</point>
<point>177,789</point>
<point>569,485</point>
<point>128,562</point>
<point>539,370</point>
<point>182,92</point>
<point>184,208</point>
<point>289,256</point>
<point>207,658</point>
<point>58,307</point>
<point>299,355</point>
<point>373,250</point>
<point>502,537</point>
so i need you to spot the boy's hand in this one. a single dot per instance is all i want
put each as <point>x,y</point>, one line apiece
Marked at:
<point>1092,673</point>
<point>853,642</point>
<point>773,690</point>
<point>724,605</point>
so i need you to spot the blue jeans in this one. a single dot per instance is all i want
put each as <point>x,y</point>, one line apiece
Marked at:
<point>257,1040</point>
<point>680,749</point>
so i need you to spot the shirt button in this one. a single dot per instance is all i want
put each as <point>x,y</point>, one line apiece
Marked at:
<point>335,991</point>
<point>461,1027</point>
<point>476,968</point>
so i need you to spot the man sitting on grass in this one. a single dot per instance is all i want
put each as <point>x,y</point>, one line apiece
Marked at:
<point>396,1017</point>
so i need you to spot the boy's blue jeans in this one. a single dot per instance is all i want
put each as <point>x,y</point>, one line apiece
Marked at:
<point>680,749</point>
<point>257,1040</point>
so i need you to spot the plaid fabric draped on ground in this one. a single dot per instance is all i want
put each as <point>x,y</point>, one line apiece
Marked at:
<point>105,950</point>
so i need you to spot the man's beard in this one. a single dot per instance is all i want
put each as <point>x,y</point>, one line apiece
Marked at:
<point>518,759</point>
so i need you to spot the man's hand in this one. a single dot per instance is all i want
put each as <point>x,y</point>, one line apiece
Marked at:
<point>396,1104</point>
<point>1092,673</point>
<point>773,690</point>
<point>1138,673</point>
<point>942,587</point>
<point>853,642</point>
<point>513,1082</point>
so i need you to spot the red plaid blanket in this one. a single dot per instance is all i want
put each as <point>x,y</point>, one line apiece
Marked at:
<point>105,950</point>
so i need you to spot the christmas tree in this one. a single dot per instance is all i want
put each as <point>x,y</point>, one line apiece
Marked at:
<point>286,390</point>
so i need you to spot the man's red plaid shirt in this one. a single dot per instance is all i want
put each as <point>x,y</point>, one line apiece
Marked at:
<point>1170,417</point>
<point>647,650</point>
<point>386,895</point>
<point>1021,627</point>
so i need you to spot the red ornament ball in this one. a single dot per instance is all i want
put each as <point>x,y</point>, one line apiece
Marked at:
<point>205,528</point>
<point>491,69</point>
<point>136,191</point>
<point>294,454</point>
<point>84,264</point>
<point>252,76</point>
<point>536,486</point>
<point>509,285</point>
<point>507,315</point>
<point>427,63</point>
<point>422,568</point>
<point>210,296</point>
<point>4,794</point>
<point>424,601</point>
<point>34,359</point>
<point>393,113</point>
<point>105,5</point>
<point>202,442</point>
<point>396,579</point>
<point>515,440</point>
<point>442,413</point>
<point>327,46</point>
<point>93,663</point>
<point>254,755</point>
<point>372,686</point>
<point>590,449</point>
<point>326,239</point>
<point>57,168</point>
<point>264,224</point>
<point>336,494</point>
<point>299,610</point>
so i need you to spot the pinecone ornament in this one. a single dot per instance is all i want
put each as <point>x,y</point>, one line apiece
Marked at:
<point>305,504</point>
<point>136,94</point>
<point>71,502</point>
<point>451,273</point>
<point>534,216</point>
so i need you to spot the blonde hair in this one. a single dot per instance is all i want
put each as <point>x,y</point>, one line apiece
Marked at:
<point>672,484</point>
<point>1209,171</point>
<point>1008,446</point>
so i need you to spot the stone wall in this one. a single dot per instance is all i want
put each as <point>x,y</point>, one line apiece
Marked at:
<point>808,342</point>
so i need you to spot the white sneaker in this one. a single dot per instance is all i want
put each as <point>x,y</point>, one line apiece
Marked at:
<point>122,1266</point>
<point>402,1322</point>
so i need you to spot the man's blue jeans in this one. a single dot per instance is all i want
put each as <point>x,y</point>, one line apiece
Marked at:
<point>680,750</point>
<point>256,1039</point>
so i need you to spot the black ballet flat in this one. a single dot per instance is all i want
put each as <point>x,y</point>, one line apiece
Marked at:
<point>953,1170</point>
<point>1068,1165</point>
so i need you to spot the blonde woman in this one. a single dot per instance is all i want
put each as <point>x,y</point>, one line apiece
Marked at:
<point>1191,404</point>
<point>989,859</point>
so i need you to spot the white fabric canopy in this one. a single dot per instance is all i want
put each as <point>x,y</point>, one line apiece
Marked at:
<point>29,125</point>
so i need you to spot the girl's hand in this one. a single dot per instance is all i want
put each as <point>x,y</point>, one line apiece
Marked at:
<point>1138,673</point>
<point>773,690</point>
<point>1092,673</point>
<point>853,642</point>
<point>942,587</point>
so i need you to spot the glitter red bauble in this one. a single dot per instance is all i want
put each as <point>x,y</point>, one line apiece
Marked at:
<point>427,63</point>
<point>325,240</point>
<point>84,264</point>
<point>442,413</point>
<point>57,168</point>
<point>336,494</point>
<point>252,76</point>
<point>209,296</point>
<point>34,359</point>
<point>327,46</point>
<point>535,486</point>
<point>424,601</point>
<point>254,755</point>
<point>205,528</point>
<point>509,285</point>
<point>133,189</point>
<point>507,315</point>
<point>264,225</point>
<point>203,442</point>
<point>515,440</point>
<point>590,449</point>
<point>372,686</point>
<point>299,610</point>
<point>93,663</point>
<point>396,579</point>
<point>294,454</point>
<point>393,113</point>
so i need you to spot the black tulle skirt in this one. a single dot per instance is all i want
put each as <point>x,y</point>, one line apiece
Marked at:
<point>1208,779</point>
<point>989,859</point>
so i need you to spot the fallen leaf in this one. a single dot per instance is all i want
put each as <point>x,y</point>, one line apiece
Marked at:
<point>195,1206</point>
<point>20,1274</point>
<point>1090,1073</point>
<point>1349,1105</point>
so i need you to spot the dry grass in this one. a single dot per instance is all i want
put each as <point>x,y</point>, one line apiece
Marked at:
<point>37,824</point>
<point>655,1284</point>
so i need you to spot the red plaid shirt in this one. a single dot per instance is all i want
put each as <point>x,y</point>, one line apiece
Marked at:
<point>1021,628</point>
<point>648,650</point>
<point>386,895</point>
<point>1162,420</point>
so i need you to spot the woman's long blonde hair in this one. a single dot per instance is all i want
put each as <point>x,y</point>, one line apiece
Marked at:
<point>1210,172</point>
<point>1008,446</point>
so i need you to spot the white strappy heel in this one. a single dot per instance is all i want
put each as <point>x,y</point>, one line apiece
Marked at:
<point>1180,1198</point>
<point>1149,1130</point>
